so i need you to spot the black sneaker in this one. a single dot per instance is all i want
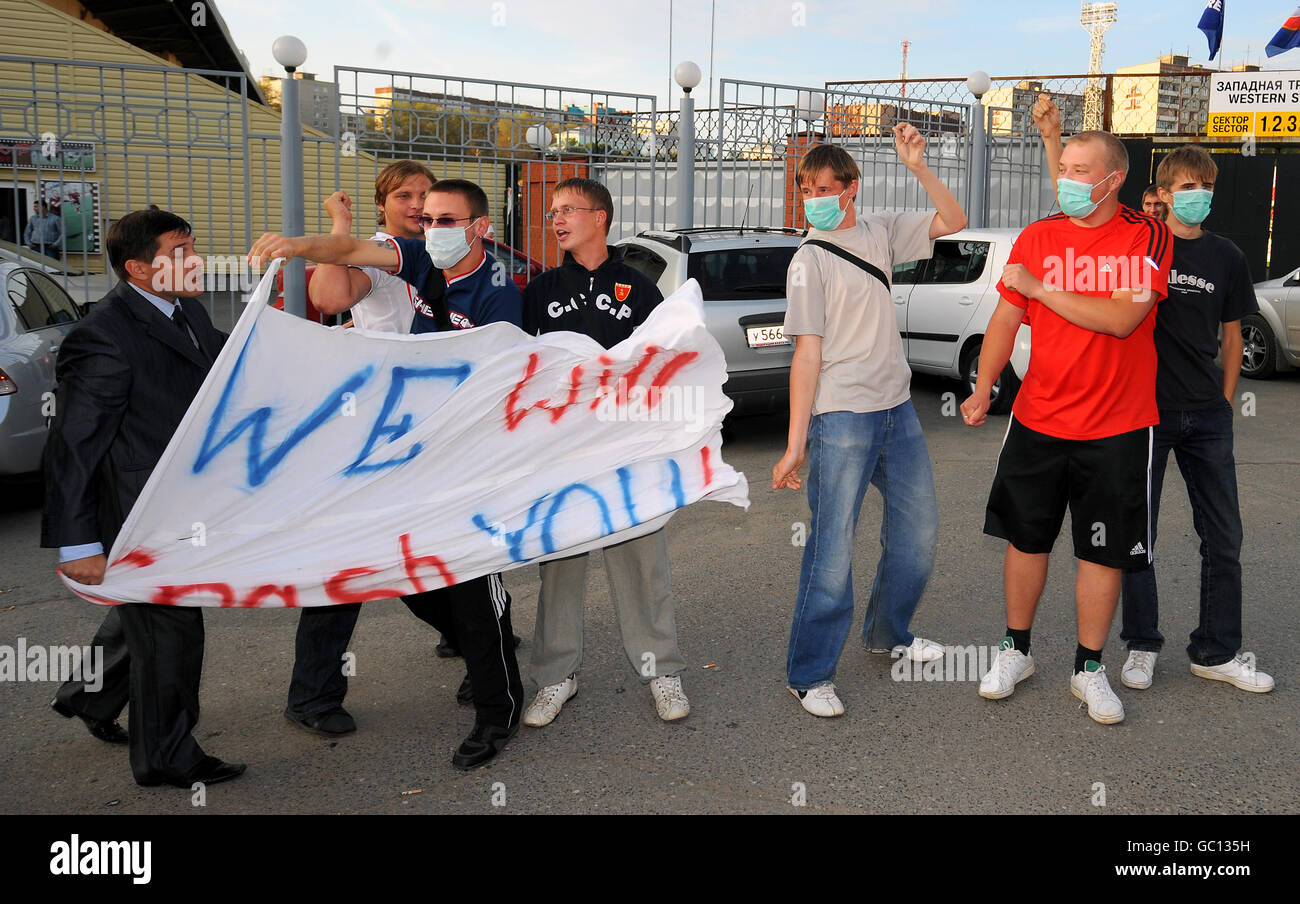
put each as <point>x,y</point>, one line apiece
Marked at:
<point>483,743</point>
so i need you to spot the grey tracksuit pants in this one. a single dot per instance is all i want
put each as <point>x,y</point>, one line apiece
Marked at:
<point>641,587</point>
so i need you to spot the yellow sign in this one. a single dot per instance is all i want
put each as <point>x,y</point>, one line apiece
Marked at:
<point>1263,104</point>
<point>1273,125</point>
<point>1261,125</point>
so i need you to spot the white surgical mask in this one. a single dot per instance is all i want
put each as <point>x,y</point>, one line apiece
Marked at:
<point>446,246</point>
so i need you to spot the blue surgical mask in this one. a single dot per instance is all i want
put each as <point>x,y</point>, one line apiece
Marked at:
<point>1075,197</point>
<point>824,212</point>
<point>1192,205</point>
<point>447,247</point>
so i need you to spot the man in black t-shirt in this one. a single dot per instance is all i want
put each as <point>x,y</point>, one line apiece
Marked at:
<point>595,293</point>
<point>1209,290</point>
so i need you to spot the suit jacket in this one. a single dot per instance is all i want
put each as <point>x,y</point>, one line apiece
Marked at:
<point>126,376</point>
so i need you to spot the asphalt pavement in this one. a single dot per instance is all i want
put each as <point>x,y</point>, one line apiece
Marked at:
<point>1187,745</point>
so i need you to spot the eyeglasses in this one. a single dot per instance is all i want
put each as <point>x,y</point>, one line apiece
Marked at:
<point>441,222</point>
<point>565,212</point>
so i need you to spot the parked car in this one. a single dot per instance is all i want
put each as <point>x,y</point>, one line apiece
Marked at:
<point>35,316</point>
<point>741,273</point>
<point>943,305</point>
<point>1271,339</point>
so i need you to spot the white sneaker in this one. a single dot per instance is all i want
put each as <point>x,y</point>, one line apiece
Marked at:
<point>1239,672</point>
<point>549,701</point>
<point>1093,689</point>
<point>920,650</point>
<point>670,700</point>
<point>1010,667</point>
<point>820,700</point>
<point>1138,669</point>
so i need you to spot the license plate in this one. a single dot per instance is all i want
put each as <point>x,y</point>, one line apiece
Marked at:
<point>765,336</point>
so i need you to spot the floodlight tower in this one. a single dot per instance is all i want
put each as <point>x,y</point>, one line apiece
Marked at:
<point>1096,19</point>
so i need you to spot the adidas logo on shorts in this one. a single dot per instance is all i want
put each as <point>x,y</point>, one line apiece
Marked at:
<point>1138,550</point>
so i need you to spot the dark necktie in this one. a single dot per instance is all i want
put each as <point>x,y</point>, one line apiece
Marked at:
<point>183,323</point>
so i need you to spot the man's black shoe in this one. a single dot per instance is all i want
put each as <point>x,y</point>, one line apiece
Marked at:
<point>209,771</point>
<point>331,722</point>
<point>465,693</point>
<point>107,731</point>
<point>483,743</point>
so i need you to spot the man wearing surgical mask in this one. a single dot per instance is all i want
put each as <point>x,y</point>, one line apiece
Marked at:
<point>1209,292</point>
<point>452,274</point>
<point>479,290</point>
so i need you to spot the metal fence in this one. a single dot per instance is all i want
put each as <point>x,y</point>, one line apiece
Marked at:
<point>513,139</point>
<point>99,139</point>
<point>1168,99</point>
<point>765,128</point>
<point>95,140</point>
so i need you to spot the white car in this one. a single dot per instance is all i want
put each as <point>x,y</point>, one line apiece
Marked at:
<point>943,306</point>
<point>1271,339</point>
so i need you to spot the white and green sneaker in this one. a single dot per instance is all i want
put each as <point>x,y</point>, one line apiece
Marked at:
<point>1092,688</point>
<point>1010,667</point>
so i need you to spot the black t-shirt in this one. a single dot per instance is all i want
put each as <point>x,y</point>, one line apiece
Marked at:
<point>1209,284</point>
<point>607,303</point>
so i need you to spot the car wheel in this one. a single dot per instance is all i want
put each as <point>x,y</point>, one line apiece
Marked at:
<point>1258,348</point>
<point>1004,388</point>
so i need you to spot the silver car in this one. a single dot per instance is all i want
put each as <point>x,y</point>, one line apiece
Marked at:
<point>741,273</point>
<point>1271,339</point>
<point>35,316</point>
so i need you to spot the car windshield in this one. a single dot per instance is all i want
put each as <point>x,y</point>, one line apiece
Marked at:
<point>741,273</point>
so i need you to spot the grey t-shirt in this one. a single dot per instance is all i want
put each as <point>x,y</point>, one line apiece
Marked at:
<point>864,367</point>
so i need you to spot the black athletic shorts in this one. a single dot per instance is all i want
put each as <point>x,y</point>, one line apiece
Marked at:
<point>1106,483</point>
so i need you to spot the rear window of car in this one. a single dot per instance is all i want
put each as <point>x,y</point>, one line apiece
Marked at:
<point>741,273</point>
<point>644,261</point>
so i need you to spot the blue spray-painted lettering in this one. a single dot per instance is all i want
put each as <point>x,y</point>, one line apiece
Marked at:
<point>514,538</point>
<point>625,481</point>
<point>259,466</point>
<point>548,541</point>
<point>679,496</point>
<point>395,431</point>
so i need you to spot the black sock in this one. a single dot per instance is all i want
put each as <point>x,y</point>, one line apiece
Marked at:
<point>1082,654</point>
<point>1019,639</point>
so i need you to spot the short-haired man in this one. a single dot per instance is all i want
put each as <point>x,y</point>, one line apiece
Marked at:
<point>595,293</point>
<point>452,282</point>
<point>851,413</point>
<point>44,232</point>
<point>1209,291</point>
<point>1088,280</point>
<point>127,375</point>
<point>1152,206</point>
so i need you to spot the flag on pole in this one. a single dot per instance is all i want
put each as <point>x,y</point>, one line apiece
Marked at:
<point>1212,24</point>
<point>1287,37</point>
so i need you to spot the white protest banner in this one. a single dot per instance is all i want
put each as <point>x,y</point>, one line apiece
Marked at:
<point>320,466</point>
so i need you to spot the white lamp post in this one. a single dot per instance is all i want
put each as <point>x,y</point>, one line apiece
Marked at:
<point>687,76</point>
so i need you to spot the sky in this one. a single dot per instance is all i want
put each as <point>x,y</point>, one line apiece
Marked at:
<point>614,45</point>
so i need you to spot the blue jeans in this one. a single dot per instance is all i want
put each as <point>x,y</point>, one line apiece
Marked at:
<point>1202,444</point>
<point>848,452</point>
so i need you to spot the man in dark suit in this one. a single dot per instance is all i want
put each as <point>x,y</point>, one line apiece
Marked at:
<point>127,374</point>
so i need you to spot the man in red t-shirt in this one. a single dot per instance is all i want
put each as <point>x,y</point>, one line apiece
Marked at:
<point>1087,281</point>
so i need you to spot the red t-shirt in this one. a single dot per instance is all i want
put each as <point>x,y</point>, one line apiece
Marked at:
<point>1081,384</point>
